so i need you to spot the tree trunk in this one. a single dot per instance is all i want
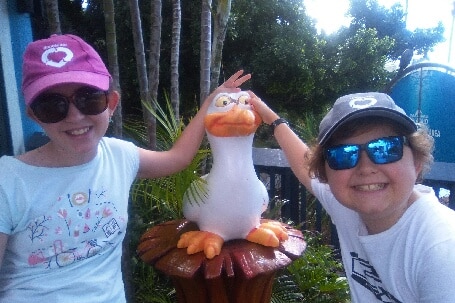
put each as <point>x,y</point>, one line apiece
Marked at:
<point>219,34</point>
<point>206,52</point>
<point>111,44</point>
<point>141,65</point>
<point>154,60</point>
<point>53,17</point>
<point>175,50</point>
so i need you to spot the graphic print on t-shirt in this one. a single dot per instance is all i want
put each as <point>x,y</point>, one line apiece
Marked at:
<point>77,226</point>
<point>365,274</point>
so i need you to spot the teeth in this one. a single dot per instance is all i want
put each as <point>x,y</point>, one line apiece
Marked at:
<point>78,132</point>
<point>370,187</point>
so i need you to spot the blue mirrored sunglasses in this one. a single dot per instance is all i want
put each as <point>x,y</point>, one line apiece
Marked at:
<point>380,151</point>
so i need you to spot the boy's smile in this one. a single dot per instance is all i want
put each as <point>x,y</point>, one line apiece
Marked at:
<point>380,193</point>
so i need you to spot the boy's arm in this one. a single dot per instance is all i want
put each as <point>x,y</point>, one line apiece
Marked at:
<point>296,151</point>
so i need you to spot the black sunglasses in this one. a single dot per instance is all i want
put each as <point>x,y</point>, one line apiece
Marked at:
<point>53,108</point>
<point>380,151</point>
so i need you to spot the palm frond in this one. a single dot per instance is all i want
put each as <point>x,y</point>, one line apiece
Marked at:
<point>318,274</point>
<point>166,120</point>
<point>166,192</point>
<point>151,286</point>
<point>285,290</point>
<point>154,201</point>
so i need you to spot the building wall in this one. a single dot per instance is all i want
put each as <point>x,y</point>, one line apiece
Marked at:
<point>16,32</point>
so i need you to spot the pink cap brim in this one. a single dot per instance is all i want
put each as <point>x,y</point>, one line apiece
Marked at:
<point>100,81</point>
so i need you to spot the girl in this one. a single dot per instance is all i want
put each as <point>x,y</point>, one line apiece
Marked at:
<point>63,206</point>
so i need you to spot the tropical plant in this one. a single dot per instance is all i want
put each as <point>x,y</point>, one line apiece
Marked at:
<point>285,289</point>
<point>166,193</point>
<point>151,286</point>
<point>318,274</point>
<point>154,201</point>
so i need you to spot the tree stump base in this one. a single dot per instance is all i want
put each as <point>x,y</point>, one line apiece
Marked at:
<point>242,273</point>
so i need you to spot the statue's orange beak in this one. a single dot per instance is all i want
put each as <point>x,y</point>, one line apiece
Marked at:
<point>233,123</point>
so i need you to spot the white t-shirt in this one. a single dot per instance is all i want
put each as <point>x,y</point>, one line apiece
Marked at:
<point>66,226</point>
<point>413,261</point>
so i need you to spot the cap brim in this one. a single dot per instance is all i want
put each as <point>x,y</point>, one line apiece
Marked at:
<point>100,81</point>
<point>402,119</point>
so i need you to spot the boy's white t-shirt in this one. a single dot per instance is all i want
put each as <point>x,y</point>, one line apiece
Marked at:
<point>413,261</point>
<point>66,227</point>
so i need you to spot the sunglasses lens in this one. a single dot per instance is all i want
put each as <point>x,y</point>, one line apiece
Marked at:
<point>380,151</point>
<point>50,108</point>
<point>342,156</point>
<point>90,101</point>
<point>53,108</point>
<point>385,150</point>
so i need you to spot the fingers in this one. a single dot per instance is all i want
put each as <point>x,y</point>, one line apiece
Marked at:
<point>242,80</point>
<point>253,95</point>
<point>231,85</point>
<point>255,101</point>
<point>266,113</point>
<point>236,79</point>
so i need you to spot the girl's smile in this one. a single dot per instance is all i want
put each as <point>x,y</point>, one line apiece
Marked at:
<point>74,139</point>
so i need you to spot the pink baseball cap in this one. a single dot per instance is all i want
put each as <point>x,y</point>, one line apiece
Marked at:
<point>61,59</point>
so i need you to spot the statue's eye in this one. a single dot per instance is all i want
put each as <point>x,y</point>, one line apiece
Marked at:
<point>222,101</point>
<point>244,99</point>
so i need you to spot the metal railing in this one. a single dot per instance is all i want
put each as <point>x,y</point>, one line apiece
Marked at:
<point>299,207</point>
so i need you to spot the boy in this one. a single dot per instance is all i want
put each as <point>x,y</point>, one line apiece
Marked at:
<point>396,239</point>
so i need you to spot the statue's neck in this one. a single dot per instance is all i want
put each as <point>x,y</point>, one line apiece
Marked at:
<point>232,151</point>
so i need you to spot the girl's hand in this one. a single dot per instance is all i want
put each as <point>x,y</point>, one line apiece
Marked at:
<point>235,80</point>
<point>231,85</point>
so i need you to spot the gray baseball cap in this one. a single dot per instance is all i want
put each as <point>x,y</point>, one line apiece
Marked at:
<point>372,104</point>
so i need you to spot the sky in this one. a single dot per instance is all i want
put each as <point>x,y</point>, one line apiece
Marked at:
<point>421,14</point>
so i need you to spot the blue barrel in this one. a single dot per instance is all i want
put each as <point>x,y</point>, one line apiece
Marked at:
<point>426,92</point>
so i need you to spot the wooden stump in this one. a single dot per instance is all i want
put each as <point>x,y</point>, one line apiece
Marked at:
<point>242,273</point>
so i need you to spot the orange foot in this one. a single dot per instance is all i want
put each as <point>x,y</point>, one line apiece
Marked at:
<point>196,241</point>
<point>268,234</point>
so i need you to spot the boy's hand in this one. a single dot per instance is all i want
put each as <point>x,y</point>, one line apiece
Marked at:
<point>266,113</point>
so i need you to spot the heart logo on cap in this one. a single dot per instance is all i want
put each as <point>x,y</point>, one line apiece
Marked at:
<point>57,56</point>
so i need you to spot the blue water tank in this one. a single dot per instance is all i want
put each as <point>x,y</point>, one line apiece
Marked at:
<point>426,92</point>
